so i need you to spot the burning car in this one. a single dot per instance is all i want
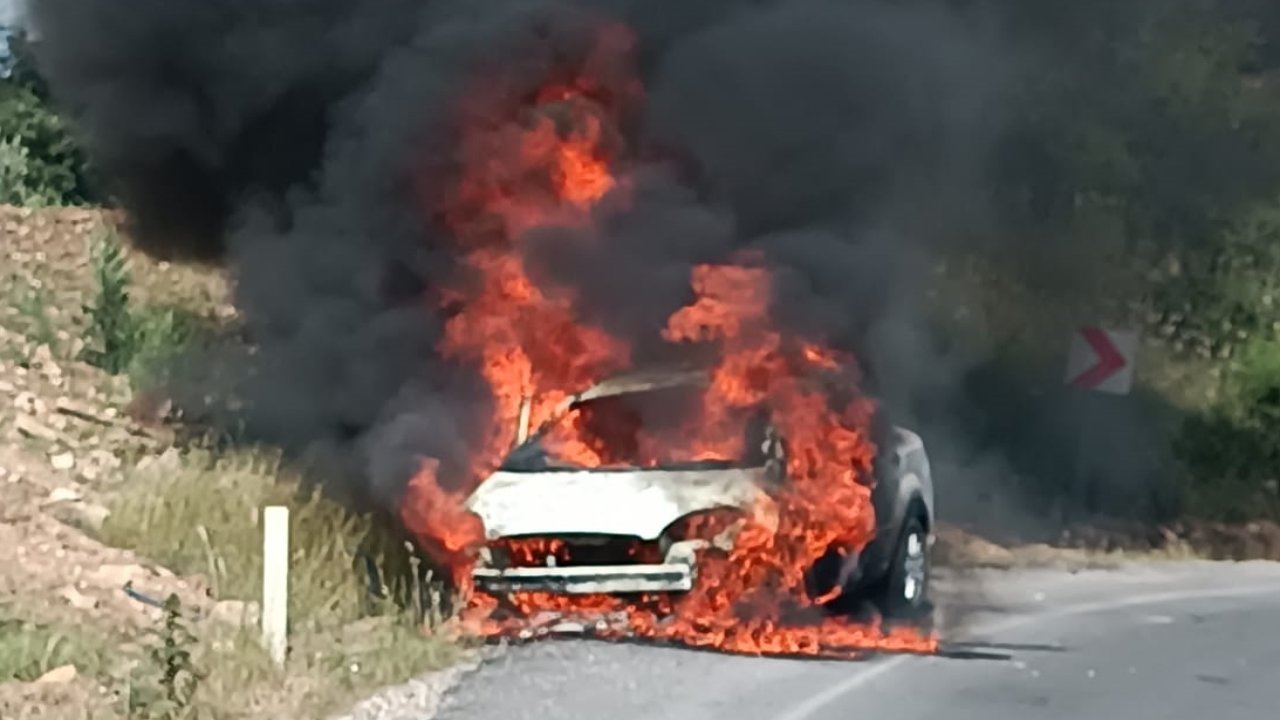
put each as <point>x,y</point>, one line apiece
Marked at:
<point>730,504</point>
<point>639,521</point>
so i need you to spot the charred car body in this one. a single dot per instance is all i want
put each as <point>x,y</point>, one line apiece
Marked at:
<point>558,527</point>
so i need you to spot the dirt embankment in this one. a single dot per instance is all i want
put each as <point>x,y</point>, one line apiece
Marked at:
<point>65,443</point>
<point>90,467</point>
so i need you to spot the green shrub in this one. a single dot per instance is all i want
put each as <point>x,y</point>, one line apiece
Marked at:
<point>1231,453</point>
<point>163,336</point>
<point>17,186</point>
<point>40,162</point>
<point>124,338</point>
<point>1226,293</point>
<point>166,687</point>
<point>113,330</point>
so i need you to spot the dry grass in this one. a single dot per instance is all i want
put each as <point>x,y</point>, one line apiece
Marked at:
<point>1090,549</point>
<point>199,515</point>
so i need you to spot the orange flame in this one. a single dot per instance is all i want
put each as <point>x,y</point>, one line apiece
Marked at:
<point>528,342</point>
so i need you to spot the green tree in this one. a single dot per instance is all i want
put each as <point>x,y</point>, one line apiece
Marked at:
<point>40,162</point>
<point>1140,109</point>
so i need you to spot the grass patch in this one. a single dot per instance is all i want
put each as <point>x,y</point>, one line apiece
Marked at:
<point>201,514</point>
<point>32,304</point>
<point>29,650</point>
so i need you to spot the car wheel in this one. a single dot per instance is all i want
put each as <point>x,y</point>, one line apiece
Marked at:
<point>905,593</point>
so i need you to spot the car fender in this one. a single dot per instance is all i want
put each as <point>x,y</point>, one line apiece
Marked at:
<point>907,481</point>
<point>910,488</point>
<point>914,478</point>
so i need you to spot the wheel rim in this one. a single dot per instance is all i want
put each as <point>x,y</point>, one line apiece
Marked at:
<point>913,566</point>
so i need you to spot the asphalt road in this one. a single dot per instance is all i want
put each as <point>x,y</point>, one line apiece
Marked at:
<point>1164,641</point>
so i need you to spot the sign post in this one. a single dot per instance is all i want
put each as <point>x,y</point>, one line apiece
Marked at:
<point>1099,362</point>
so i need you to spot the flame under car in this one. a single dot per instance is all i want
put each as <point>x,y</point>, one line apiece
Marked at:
<point>638,522</point>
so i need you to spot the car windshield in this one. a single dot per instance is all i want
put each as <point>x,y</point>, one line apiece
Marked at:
<point>663,428</point>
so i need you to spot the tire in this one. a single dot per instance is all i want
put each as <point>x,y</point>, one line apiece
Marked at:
<point>904,594</point>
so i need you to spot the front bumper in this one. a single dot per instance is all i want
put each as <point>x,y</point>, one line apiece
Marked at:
<point>587,580</point>
<point>676,573</point>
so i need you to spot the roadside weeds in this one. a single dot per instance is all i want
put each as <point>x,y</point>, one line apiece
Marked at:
<point>200,516</point>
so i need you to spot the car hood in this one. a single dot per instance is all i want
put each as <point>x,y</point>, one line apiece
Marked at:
<point>639,503</point>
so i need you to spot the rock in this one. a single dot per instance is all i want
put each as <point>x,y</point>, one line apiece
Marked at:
<point>32,428</point>
<point>47,366</point>
<point>58,676</point>
<point>150,408</point>
<point>101,460</point>
<point>63,494</point>
<point>27,402</point>
<point>85,515</point>
<point>236,613</point>
<point>115,576</point>
<point>62,461</point>
<point>77,599</point>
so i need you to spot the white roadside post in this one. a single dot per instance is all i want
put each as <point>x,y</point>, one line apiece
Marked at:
<point>275,582</point>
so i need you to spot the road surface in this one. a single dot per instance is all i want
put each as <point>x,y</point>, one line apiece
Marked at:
<point>1164,641</point>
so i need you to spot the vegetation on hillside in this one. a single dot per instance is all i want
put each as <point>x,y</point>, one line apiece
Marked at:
<point>1138,185</point>
<point>40,162</point>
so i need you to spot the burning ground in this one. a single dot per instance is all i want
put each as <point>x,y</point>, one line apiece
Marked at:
<point>449,208</point>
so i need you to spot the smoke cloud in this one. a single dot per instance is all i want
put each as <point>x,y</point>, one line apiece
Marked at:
<point>304,145</point>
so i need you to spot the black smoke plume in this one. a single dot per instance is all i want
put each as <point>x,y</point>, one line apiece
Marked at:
<point>300,143</point>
